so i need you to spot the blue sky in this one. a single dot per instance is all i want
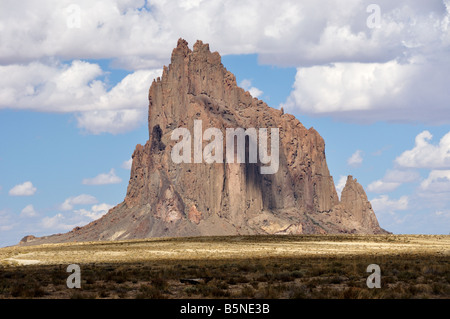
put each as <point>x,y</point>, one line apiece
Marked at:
<point>74,77</point>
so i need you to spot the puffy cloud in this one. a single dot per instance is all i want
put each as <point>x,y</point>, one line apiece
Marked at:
<point>343,87</point>
<point>429,194</point>
<point>100,29</point>
<point>392,180</point>
<point>425,154</point>
<point>247,85</point>
<point>127,164</point>
<point>394,91</point>
<point>50,87</point>
<point>380,186</point>
<point>103,179</point>
<point>341,184</point>
<point>356,159</point>
<point>345,68</point>
<point>28,211</point>
<point>438,181</point>
<point>282,32</point>
<point>25,189</point>
<point>387,211</point>
<point>81,217</point>
<point>115,122</point>
<point>83,199</point>
<point>385,204</point>
<point>57,222</point>
<point>121,109</point>
<point>389,73</point>
<point>401,176</point>
<point>76,88</point>
<point>95,212</point>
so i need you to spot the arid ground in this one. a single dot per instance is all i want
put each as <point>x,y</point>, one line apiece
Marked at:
<point>309,266</point>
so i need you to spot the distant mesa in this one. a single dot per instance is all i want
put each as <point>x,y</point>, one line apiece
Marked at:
<point>27,239</point>
<point>168,199</point>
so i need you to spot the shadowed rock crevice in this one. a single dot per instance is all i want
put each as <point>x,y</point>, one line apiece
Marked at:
<point>157,144</point>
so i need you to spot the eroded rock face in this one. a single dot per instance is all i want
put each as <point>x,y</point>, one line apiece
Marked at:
<point>194,215</point>
<point>354,212</point>
<point>27,239</point>
<point>168,199</point>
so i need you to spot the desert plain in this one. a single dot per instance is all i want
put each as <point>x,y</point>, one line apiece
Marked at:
<point>276,267</point>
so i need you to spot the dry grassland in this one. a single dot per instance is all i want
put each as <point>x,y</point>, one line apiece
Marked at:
<point>310,266</point>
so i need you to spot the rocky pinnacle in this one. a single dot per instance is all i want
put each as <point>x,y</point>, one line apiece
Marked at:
<point>165,198</point>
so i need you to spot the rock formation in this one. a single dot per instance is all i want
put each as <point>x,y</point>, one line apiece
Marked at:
<point>192,199</point>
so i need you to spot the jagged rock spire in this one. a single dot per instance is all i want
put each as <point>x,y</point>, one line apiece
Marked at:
<point>168,199</point>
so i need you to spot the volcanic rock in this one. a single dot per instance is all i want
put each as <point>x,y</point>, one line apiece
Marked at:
<point>193,199</point>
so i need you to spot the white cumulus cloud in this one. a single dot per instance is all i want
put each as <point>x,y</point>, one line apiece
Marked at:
<point>392,180</point>
<point>68,220</point>
<point>381,186</point>
<point>25,189</point>
<point>95,212</point>
<point>397,72</point>
<point>83,199</point>
<point>384,204</point>
<point>76,88</point>
<point>438,181</point>
<point>247,85</point>
<point>356,159</point>
<point>57,223</point>
<point>28,211</point>
<point>427,155</point>
<point>341,184</point>
<point>127,164</point>
<point>342,87</point>
<point>103,179</point>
